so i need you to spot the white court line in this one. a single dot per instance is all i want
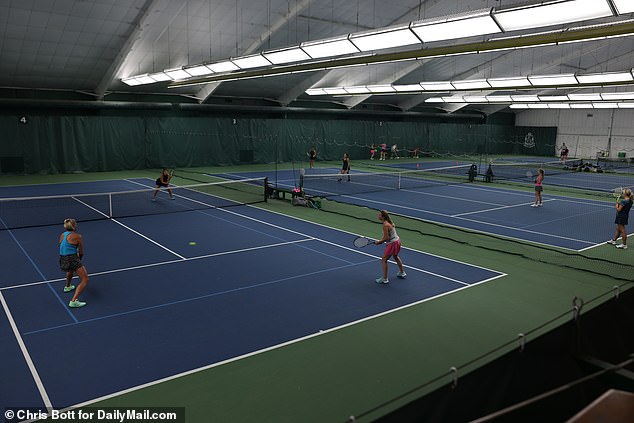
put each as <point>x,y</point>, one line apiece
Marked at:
<point>130,229</point>
<point>161,263</point>
<point>27,356</point>
<point>494,209</point>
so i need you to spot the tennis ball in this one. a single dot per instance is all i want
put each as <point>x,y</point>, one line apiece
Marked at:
<point>192,243</point>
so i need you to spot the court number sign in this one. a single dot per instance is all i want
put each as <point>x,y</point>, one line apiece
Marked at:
<point>23,120</point>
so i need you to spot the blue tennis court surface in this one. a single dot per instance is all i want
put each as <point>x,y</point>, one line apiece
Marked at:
<point>158,306</point>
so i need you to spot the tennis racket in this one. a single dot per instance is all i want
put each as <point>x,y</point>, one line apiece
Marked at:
<point>361,242</point>
<point>617,192</point>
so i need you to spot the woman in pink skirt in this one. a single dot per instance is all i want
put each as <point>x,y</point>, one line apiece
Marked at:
<point>392,248</point>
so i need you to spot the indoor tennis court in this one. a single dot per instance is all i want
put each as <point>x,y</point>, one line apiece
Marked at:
<point>221,171</point>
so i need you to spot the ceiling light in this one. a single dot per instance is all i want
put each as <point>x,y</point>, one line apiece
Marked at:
<point>434,100</point>
<point>315,91</point>
<point>408,88</point>
<point>537,105</point>
<point>553,98</point>
<point>199,70</point>
<point>381,89</point>
<point>558,105</point>
<point>329,47</point>
<point>475,99</point>
<point>287,55</point>
<point>624,6</point>
<point>473,24</point>
<point>585,97</point>
<point>524,98</point>
<point>518,106</point>
<point>499,98</point>
<point>581,105</point>
<point>604,105</point>
<point>551,13</point>
<point>626,105</point>
<point>471,84</point>
<point>453,99</point>
<point>336,91</point>
<point>437,86</point>
<point>519,81</point>
<point>384,38</point>
<point>177,73</point>
<point>618,96</point>
<point>131,81</point>
<point>253,61</point>
<point>160,77</point>
<point>551,80</point>
<point>357,90</point>
<point>606,77</point>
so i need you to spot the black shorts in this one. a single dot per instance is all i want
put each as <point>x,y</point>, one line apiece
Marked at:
<point>160,183</point>
<point>70,263</point>
<point>539,188</point>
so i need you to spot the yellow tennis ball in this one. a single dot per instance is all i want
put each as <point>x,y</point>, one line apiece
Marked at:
<point>192,243</point>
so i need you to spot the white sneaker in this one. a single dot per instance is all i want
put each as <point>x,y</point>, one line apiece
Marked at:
<point>533,205</point>
<point>382,280</point>
<point>539,205</point>
<point>401,275</point>
<point>613,242</point>
<point>622,246</point>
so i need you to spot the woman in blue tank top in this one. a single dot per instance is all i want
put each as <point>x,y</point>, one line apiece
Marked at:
<point>71,251</point>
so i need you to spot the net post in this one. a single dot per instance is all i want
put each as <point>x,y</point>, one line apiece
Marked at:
<point>454,377</point>
<point>266,189</point>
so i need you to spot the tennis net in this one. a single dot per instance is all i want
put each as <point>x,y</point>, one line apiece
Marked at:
<point>23,212</point>
<point>330,185</point>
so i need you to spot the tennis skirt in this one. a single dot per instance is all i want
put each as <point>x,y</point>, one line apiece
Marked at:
<point>392,248</point>
<point>621,220</point>
<point>70,263</point>
<point>539,188</point>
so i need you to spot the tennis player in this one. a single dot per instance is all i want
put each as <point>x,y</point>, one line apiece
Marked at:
<point>539,188</point>
<point>312,155</point>
<point>622,213</point>
<point>392,248</point>
<point>71,251</point>
<point>563,156</point>
<point>163,182</point>
<point>345,167</point>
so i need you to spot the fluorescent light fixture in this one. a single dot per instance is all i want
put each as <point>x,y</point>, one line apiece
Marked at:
<point>605,105</point>
<point>408,88</point>
<point>585,97</point>
<point>434,100</point>
<point>558,105</point>
<point>475,99</point>
<point>225,66</point>
<point>553,98</point>
<point>131,81</point>
<point>177,73</point>
<point>524,98</point>
<point>626,105</point>
<point>518,106</point>
<point>561,79</point>
<point>437,86</point>
<point>537,105</point>
<point>453,99</point>
<point>145,79</point>
<point>253,61</point>
<point>618,96</point>
<point>336,91</point>
<point>160,77</point>
<point>581,105</point>
<point>384,38</point>
<point>199,70</point>
<point>473,24</point>
<point>287,55</point>
<point>599,78</point>
<point>499,98</point>
<point>381,89</point>
<point>624,6</point>
<point>329,47</point>
<point>315,91</point>
<point>470,84</point>
<point>551,13</point>
<point>357,90</point>
<point>520,81</point>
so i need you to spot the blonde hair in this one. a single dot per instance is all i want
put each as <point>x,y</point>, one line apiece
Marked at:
<point>627,192</point>
<point>70,224</point>
<point>386,217</point>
